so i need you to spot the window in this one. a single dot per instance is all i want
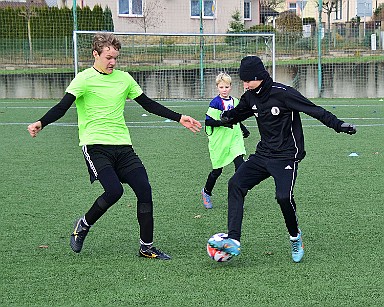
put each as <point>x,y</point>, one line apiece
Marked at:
<point>208,8</point>
<point>247,9</point>
<point>339,10</point>
<point>131,7</point>
<point>292,6</point>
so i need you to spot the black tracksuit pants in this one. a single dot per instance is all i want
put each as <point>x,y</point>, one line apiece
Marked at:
<point>253,171</point>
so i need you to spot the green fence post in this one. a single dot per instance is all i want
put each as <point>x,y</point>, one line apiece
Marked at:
<point>74,10</point>
<point>201,51</point>
<point>319,78</point>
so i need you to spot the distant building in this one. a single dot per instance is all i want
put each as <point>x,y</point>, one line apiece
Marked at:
<point>20,3</point>
<point>342,10</point>
<point>176,16</point>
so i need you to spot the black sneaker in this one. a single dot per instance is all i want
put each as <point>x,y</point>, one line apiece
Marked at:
<point>153,252</point>
<point>78,235</point>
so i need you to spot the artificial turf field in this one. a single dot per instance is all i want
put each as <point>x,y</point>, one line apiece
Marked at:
<point>45,187</point>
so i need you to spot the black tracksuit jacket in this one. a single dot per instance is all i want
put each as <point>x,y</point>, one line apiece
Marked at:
<point>277,110</point>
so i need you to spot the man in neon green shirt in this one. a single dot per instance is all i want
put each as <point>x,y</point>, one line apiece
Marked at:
<point>100,93</point>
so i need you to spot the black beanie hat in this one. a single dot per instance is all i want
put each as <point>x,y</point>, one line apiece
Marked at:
<point>252,68</point>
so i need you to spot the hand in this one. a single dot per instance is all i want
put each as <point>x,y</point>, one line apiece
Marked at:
<point>224,117</point>
<point>348,128</point>
<point>34,128</point>
<point>190,123</point>
<point>246,134</point>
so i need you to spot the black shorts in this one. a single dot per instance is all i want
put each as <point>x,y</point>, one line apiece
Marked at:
<point>122,158</point>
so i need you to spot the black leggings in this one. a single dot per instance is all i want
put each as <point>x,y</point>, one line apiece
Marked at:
<point>137,179</point>
<point>215,174</point>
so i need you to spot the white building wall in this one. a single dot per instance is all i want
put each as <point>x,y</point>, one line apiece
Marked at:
<point>348,10</point>
<point>176,16</point>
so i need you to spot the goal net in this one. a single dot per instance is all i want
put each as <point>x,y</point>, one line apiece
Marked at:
<point>181,66</point>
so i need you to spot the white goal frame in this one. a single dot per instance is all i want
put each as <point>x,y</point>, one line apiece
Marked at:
<point>265,49</point>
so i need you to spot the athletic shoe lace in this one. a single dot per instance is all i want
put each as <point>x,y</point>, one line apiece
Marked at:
<point>295,246</point>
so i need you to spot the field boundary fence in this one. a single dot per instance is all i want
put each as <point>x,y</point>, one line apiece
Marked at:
<point>184,66</point>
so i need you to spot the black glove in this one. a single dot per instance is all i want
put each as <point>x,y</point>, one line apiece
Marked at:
<point>348,128</point>
<point>224,117</point>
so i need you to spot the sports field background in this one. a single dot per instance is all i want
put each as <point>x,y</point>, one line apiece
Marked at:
<point>45,187</point>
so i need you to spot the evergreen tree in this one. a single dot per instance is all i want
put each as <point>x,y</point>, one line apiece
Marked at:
<point>236,25</point>
<point>108,21</point>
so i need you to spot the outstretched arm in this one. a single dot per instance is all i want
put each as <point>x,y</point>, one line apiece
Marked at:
<point>296,101</point>
<point>156,108</point>
<point>55,113</point>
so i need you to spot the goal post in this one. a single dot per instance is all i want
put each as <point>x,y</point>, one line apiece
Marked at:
<point>181,66</point>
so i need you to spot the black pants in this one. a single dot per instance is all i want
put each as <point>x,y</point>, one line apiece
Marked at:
<point>253,171</point>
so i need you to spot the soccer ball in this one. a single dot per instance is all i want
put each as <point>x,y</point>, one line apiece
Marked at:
<point>216,254</point>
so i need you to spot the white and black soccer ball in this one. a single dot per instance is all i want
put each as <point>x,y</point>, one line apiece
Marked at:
<point>213,252</point>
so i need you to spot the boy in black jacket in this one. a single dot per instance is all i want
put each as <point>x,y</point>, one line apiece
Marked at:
<point>276,108</point>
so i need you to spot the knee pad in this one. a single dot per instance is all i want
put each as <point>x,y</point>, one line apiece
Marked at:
<point>102,204</point>
<point>145,207</point>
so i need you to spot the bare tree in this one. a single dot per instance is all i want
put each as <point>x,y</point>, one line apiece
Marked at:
<point>378,14</point>
<point>328,7</point>
<point>272,4</point>
<point>267,8</point>
<point>28,13</point>
<point>152,15</point>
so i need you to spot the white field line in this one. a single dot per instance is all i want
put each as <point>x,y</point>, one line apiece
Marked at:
<point>128,105</point>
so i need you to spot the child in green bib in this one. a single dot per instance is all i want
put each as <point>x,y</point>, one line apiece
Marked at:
<point>225,142</point>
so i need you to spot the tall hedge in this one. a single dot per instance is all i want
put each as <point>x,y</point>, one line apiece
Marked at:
<point>52,22</point>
